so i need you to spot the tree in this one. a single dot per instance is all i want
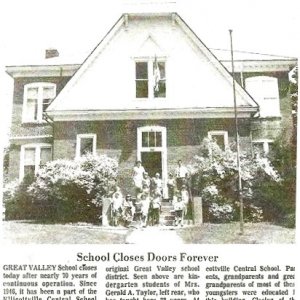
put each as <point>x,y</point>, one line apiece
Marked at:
<point>294,104</point>
<point>214,178</point>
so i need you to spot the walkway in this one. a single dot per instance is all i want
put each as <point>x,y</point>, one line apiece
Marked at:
<point>153,235</point>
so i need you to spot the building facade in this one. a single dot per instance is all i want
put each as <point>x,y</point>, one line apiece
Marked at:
<point>151,91</point>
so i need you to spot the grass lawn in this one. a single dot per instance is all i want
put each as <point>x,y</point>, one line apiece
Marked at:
<point>25,232</point>
<point>229,233</point>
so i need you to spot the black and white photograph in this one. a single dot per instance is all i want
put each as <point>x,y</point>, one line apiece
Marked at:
<point>148,150</point>
<point>149,122</point>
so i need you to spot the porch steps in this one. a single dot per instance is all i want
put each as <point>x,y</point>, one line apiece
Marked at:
<point>167,213</point>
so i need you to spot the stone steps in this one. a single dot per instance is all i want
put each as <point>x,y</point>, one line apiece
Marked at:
<point>167,214</point>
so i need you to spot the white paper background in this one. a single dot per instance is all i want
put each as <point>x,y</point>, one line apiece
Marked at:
<point>75,27</point>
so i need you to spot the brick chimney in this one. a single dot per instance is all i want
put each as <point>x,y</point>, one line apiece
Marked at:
<point>51,52</point>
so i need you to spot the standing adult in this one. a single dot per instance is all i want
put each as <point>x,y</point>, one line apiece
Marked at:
<point>138,175</point>
<point>182,174</point>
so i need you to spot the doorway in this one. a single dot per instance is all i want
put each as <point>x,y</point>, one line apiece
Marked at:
<point>151,161</point>
<point>152,151</point>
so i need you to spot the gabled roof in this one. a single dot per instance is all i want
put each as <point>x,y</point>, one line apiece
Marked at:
<point>218,64</point>
<point>86,63</point>
<point>57,109</point>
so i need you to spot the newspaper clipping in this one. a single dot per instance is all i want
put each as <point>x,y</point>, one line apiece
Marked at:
<point>148,150</point>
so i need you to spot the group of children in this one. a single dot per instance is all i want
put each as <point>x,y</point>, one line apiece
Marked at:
<point>146,206</point>
<point>148,199</point>
<point>179,197</point>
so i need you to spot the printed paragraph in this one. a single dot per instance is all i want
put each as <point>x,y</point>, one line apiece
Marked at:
<point>51,282</point>
<point>148,280</point>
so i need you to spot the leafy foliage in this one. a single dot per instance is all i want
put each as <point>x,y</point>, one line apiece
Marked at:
<point>18,202</point>
<point>70,191</point>
<point>215,178</point>
<point>284,195</point>
<point>294,103</point>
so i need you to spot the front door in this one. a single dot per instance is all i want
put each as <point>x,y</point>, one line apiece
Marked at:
<point>152,151</point>
<point>152,162</point>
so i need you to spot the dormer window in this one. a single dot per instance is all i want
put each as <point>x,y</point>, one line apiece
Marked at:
<point>150,79</point>
<point>264,91</point>
<point>37,97</point>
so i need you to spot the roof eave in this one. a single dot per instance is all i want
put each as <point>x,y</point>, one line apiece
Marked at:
<point>42,70</point>
<point>140,114</point>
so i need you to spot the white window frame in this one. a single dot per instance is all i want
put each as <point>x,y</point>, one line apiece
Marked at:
<point>40,86</point>
<point>150,62</point>
<point>37,157</point>
<point>223,133</point>
<point>163,149</point>
<point>78,142</point>
<point>265,143</point>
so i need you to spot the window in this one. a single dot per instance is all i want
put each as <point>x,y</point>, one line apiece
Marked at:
<point>29,161</point>
<point>265,92</point>
<point>220,137</point>
<point>262,147</point>
<point>151,139</point>
<point>150,79</point>
<point>141,73</point>
<point>37,97</point>
<point>33,157</point>
<point>86,143</point>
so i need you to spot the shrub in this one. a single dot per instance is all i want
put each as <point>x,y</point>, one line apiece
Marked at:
<point>215,178</point>
<point>71,191</point>
<point>18,202</point>
<point>284,158</point>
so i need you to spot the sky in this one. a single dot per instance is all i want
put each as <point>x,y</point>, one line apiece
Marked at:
<point>74,27</point>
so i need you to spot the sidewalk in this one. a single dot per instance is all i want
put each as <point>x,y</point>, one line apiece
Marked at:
<point>153,236</point>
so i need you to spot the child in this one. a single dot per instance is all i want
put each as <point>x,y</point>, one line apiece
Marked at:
<point>145,208</point>
<point>185,198</point>
<point>156,204</point>
<point>184,195</point>
<point>179,210</point>
<point>171,186</point>
<point>129,209</point>
<point>157,182</point>
<point>146,180</point>
<point>146,189</point>
<point>138,208</point>
<point>116,206</point>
